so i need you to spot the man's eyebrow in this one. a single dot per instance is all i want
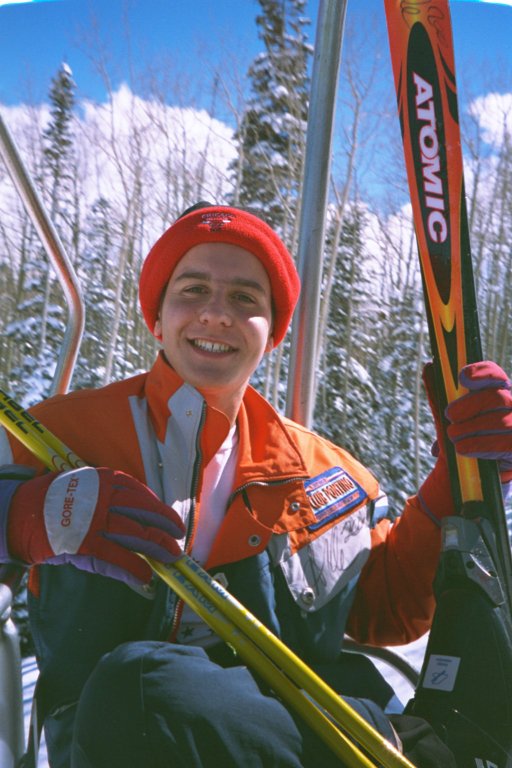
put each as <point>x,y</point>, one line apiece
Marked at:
<point>243,282</point>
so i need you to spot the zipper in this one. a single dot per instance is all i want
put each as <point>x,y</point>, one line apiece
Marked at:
<point>245,486</point>
<point>191,527</point>
<point>178,608</point>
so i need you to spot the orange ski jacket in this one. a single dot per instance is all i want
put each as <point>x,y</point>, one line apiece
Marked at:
<point>299,500</point>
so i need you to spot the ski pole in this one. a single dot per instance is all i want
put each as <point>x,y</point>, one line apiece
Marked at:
<point>252,653</point>
<point>195,578</point>
<point>271,658</point>
<point>40,441</point>
<point>56,455</point>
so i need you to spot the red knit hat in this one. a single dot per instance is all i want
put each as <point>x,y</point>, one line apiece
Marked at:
<point>221,224</point>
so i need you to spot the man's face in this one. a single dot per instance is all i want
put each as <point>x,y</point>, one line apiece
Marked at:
<point>216,321</point>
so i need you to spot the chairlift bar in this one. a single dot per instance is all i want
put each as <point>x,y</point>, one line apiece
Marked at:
<point>315,185</point>
<point>57,255</point>
<point>12,737</point>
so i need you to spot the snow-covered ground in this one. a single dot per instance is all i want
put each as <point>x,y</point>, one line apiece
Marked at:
<point>413,653</point>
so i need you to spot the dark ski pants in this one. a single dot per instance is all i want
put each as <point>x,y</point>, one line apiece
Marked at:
<point>155,705</point>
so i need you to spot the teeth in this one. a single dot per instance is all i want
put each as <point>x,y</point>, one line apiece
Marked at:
<point>210,346</point>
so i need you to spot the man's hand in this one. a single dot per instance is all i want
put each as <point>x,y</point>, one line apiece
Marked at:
<point>481,421</point>
<point>479,426</point>
<point>95,519</point>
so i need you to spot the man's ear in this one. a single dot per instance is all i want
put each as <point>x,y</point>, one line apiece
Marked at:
<point>270,344</point>
<point>157,330</point>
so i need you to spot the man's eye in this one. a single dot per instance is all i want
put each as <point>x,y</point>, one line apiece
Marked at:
<point>245,298</point>
<point>194,289</point>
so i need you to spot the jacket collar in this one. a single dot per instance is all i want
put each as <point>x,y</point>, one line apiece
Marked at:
<point>265,448</point>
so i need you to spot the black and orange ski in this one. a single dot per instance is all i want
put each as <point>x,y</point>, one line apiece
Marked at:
<point>466,682</point>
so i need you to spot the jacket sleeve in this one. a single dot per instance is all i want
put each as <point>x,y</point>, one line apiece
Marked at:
<point>394,602</point>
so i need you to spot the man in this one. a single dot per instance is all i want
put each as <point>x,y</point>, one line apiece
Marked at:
<point>129,675</point>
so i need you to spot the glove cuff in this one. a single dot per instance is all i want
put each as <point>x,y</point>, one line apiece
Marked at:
<point>435,494</point>
<point>11,477</point>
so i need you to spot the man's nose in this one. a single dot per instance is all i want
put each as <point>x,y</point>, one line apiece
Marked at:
<point>216,309</point>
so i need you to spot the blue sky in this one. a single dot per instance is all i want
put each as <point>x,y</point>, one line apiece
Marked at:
<point>36,37</point>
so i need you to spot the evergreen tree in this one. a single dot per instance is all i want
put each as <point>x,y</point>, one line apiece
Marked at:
<point>346,393</point>
<point>370,395</point>
<point>39,320</point>
<point>58,174</point>
<point>402,424</point>
<point>272,132</point>
<point>59,141</point>
<point>271,139</point>
<point>96,277</point>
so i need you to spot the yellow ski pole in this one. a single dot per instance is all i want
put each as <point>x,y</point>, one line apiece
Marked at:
<point>305,679</point>
<point>301,674</point>
<point>259,662</point>
<point>260,647</point>
<point>40,441</point>
<point>55,455</point>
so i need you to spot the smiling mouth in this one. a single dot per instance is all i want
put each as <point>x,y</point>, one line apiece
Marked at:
<point>211,346</point>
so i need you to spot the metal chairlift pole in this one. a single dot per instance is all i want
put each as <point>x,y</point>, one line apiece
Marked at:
<point>12,737</point>
<point>55,251</point>
<point>303,356</point>
<point>315,184</point>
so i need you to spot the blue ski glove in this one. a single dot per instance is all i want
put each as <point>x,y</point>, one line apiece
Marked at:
<point>94,519</point>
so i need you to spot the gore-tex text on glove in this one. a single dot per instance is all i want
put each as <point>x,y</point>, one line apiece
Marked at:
<point>94,519</point>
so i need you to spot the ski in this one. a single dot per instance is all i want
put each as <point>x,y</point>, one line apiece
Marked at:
<point>423,67</point>
<point>465,687</point>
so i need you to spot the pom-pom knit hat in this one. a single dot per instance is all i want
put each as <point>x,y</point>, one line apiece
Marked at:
<point>221,224</point>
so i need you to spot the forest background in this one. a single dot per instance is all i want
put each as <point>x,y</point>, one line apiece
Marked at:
<point>114,174</point>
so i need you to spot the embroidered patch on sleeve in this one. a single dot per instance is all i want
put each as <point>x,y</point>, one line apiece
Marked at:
<point>331,495</point>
